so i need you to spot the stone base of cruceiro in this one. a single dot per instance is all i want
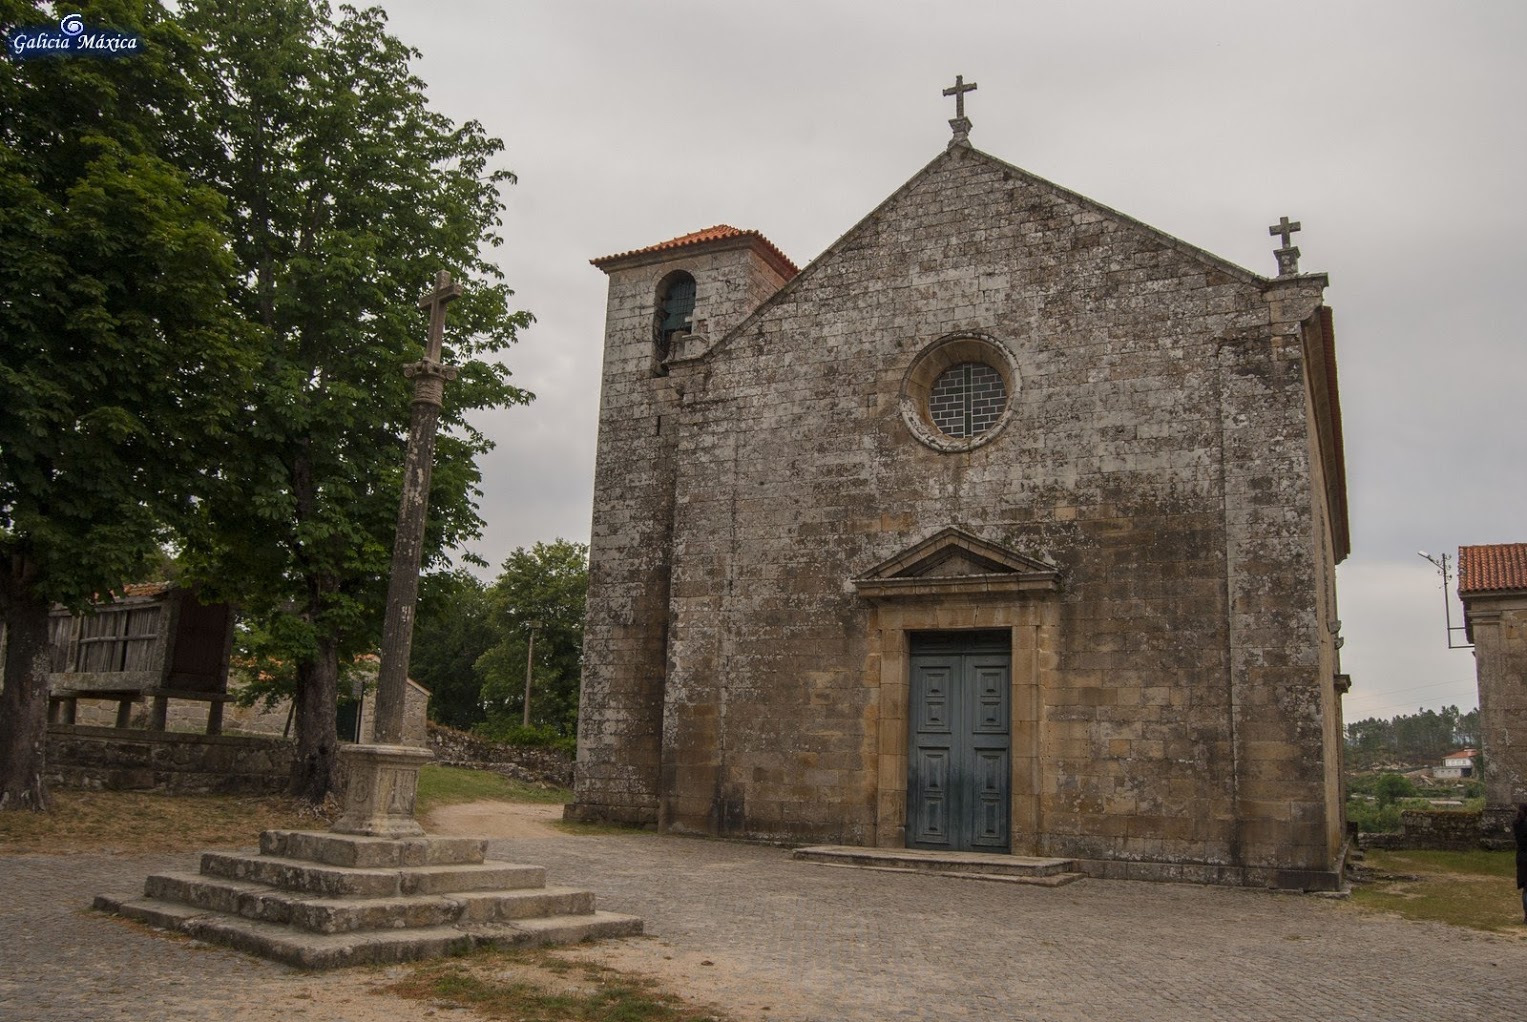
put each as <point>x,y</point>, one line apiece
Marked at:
<point>381,785</point>
<point>322,900</point>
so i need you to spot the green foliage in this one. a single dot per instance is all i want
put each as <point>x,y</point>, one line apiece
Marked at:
<point>346,194</point>
<point>1372,818</point>
<point>506,732</point>
<point>122,363</point>
<point>548,584</point>
<point>454,627</point>
<point>1391,787</point>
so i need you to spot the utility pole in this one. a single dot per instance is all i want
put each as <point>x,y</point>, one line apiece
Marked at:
<point>1447,603</point>
<point>530,659</point>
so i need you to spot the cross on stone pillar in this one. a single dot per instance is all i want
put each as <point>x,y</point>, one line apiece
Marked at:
<point>383,777</point>
<point>959,123</point>
<point>430,377</point>
<point>1288,255</point>
<point>435,301</point>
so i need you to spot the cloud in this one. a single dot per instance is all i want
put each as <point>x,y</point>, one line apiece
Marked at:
<point>1391,130</point>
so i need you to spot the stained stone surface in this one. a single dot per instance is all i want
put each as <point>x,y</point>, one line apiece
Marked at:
<point>1170,445</point>
<point>381,787</point>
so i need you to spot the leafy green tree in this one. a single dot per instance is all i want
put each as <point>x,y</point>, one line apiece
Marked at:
<point>455,627</point>
<point>548,584</point>
<point>121,361</point>
<point>347,193</point>
<point>1392,787</point>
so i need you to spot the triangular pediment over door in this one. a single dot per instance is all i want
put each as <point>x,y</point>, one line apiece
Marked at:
<point>955,562</point>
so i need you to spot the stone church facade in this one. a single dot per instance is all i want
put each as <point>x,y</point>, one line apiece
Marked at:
<point>1008,524</point>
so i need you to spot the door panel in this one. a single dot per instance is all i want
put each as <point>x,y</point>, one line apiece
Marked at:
<point>989,826</point>
<point>960,762</point>
<point>931,824</point>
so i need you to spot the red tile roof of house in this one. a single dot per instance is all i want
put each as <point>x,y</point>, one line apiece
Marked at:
<point>1494,568</point>
<point>720,232</point>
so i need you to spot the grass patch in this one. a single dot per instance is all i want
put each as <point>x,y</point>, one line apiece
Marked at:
<point>446,786</point>
<point>541,985</point>
<point>1474,889</point>
<point>132,822</point>
<point>142,822</point>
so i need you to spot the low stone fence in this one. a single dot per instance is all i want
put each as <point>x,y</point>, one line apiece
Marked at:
<point>1439,829</point>
<point>534,764</point>
<point>81,756</point>
<point>112,759</point>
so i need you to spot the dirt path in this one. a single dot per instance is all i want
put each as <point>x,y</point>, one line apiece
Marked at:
<point>494,820</point>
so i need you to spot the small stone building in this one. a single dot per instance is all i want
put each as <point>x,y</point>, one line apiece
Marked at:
<point>1008,524</point>
<point>1492,583</point>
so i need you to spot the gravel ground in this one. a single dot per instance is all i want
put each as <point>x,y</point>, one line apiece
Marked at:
<point>747,929</point>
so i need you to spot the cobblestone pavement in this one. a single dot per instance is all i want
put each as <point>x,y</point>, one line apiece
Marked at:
<point>746,928</point>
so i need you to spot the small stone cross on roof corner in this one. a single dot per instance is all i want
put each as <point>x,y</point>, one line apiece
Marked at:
<point>434,302</point>
<point>960,123</point>
<point>1288,255</point>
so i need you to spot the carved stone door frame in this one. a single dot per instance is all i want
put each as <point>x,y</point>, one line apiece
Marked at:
<point>957,581</point>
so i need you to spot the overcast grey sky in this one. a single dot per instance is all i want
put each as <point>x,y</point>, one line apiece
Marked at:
<point>1394,131</point>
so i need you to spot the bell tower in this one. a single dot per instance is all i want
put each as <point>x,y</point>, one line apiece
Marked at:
<point>668,305</point>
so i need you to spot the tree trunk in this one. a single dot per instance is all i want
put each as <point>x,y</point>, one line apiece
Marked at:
<point>317,747</point>
<point>24,701</point>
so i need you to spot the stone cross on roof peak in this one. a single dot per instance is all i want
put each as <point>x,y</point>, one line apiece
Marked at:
<point>960,123</point>
<point>1288,255</point>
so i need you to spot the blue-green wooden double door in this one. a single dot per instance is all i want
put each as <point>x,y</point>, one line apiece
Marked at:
<point>960,748</point>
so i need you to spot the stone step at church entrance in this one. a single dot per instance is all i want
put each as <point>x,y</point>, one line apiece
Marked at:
<point>320,900</point>
<point>1011,869</point>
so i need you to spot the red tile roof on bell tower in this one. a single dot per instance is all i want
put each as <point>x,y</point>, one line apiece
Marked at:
<point>720,232</point>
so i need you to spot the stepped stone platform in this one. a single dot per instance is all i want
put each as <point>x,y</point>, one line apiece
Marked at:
<point>1009,869</point>
<point>321,900</point>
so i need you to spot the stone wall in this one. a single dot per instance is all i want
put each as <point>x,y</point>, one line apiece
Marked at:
<point>525,763</point>
<point>106,758</point>
<point>1498,626</point>
<point>626,637</point>
<point>1431,829</point>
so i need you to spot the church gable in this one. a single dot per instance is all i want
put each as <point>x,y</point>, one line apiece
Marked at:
<point>1023,219</point>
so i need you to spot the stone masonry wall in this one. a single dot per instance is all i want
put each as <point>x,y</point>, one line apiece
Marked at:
<point>1447,830</point>
<point>1499,628</point>
<point>625,636</point>
<point>1157,452</point>
<point>107,758</point>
